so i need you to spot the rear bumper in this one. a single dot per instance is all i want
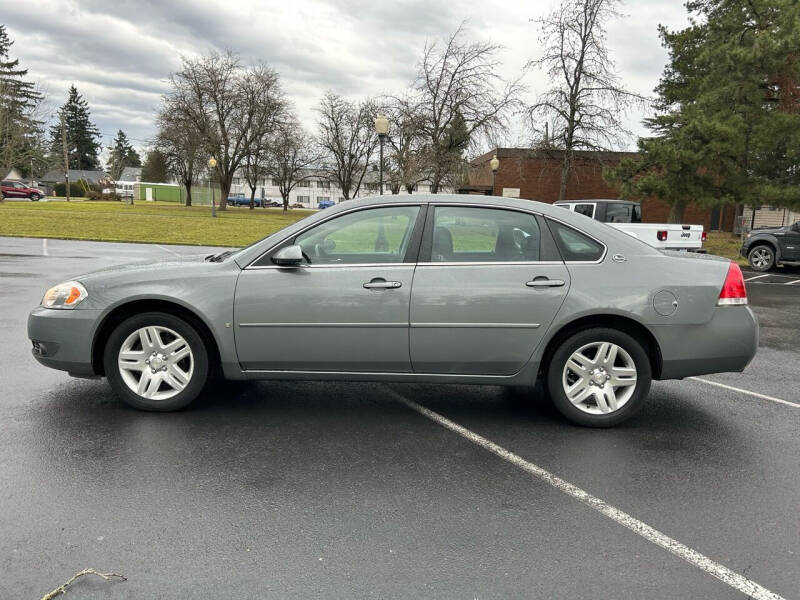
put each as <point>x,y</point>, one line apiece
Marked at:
<point>727,343</point>
<point>62,339</point>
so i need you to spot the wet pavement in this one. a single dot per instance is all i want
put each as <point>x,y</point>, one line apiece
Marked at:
<point>332,490</point>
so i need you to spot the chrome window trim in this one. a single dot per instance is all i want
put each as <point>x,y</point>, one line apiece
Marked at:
<point>251,265</point>
<point>506,263</point>
<point>338,266</point>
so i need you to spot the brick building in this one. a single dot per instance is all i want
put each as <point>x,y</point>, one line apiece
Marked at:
<point>536,175</point>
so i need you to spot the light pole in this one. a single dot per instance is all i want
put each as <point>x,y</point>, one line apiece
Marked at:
<point>494,164</point>
<point>212,162</point>
<point>381,128</point>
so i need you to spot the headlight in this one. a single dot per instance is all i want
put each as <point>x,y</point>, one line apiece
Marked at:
<point>64,295</point>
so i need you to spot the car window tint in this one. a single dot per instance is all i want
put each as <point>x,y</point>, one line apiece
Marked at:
<point>636,217</point>
<point>618,213</point>
<point>467,234</point>
<point>377,235</point>
<point>585,209</point>
<point>574,245</point>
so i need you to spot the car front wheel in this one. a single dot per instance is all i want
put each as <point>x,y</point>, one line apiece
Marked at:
<point>599,377</point>
<point>156,361</point>
<point>761,258</point>
<point>34,197</point>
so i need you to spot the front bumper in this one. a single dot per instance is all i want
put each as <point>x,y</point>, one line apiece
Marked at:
<point>62,339</point>
<point>743,251</point>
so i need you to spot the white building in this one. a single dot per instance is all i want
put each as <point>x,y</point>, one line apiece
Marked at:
<point>768,216</point>
<point>317,188</point>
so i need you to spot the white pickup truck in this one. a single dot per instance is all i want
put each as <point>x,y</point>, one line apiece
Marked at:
<point>627,216</point>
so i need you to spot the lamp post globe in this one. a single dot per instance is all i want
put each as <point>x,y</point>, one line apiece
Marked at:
<point>381,128</point>
<point>494,164</point>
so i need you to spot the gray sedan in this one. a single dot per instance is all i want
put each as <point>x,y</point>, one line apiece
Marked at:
<point>432,288</point>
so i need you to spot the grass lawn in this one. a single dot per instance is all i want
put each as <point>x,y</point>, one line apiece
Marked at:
<point>142,222</point>
<point>725,244</point>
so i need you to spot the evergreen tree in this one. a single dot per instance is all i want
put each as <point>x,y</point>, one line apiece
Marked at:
<point>20,124</point>
<point>155,168</point>
<point>82,135</point>
<point>727,127</point>
<point>121,154</point>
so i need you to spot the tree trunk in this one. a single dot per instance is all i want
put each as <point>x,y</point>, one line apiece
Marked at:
<point>676,211</point>
<point>252,198</point>
<point>225,190</point>
<point>188,186</point>
<point>285,201</point>
<point>562,190</point>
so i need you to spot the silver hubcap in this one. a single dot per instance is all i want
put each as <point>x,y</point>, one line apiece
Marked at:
<point>156,362</point>
<point>760,258</point>
<point>599,378</point>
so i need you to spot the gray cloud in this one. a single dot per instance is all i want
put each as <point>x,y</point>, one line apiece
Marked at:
<point>120,53</point>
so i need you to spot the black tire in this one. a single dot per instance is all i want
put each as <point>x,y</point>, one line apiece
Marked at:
<point>564,351</point>
<point>757,256</point>
<point>34,197</point>
<point>200,374</point>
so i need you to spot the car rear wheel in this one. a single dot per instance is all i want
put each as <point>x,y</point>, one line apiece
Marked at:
<point>156,361</point>
<point>761,258</point>
<point>34,197</point>
<point>599,377</point>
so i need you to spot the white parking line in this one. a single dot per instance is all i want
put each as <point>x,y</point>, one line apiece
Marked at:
<point>693,557</point>
<point>742,391</point>
<point>165,249</point>
<point>757,277</point>
<point>792,282</point>
<point>44,247</point>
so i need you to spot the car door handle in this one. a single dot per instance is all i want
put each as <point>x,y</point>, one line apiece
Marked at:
<point>545,282</point>
<point>382,284</point>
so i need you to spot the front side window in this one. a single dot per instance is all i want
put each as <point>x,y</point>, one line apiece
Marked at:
<point>467,234</point>
<point>574,245</point>
<point>377,235</point>
<point>585,209</point>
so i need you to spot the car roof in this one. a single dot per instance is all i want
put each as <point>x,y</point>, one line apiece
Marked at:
<point>615,200</point>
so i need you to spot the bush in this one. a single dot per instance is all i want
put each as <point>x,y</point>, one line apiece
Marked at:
<point>81,187</point>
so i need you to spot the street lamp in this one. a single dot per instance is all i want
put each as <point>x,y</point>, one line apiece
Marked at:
<point>494,164</point>
<point>212,163</point>
<point>381,128</point>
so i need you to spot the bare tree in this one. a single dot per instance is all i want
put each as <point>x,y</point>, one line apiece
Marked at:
<point>255,169</point>
<point>182,146</point>
<point>230,106</point>
<point>347,139</point>
<point>462,99</point>
<point>289,156</point>
<point>586,102</point>
<point>405,163</point>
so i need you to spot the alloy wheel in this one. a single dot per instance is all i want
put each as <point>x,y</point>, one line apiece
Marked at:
<point>599,378</point>
<point>156,362</point>
<point>760,258</point>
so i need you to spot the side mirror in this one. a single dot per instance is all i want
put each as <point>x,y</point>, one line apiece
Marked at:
<point>289,256</point>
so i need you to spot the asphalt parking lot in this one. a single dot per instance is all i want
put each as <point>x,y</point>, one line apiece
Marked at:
<point>338,490</point>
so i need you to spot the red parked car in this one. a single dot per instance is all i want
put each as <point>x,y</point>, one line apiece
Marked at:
<point>15,189</point>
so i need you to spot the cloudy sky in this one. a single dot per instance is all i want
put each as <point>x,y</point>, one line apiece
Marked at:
<point>119,53</point>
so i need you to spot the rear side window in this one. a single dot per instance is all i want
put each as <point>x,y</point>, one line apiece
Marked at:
<point>619,213</point>
<point>574,245</point>
<point>585,209</point>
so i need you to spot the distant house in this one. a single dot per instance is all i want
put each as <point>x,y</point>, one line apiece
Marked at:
<point>130,174</point>
<point>57,176</point>
<point>13,175</point>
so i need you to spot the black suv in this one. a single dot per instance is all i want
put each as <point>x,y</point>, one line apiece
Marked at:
<point>767,247</point>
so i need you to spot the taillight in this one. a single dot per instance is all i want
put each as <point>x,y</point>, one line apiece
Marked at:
<point>703,236</point>
<point>662,235</point>
<point>733,291</point>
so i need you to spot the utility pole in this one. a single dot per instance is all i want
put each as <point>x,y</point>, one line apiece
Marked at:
<point>66,158</point>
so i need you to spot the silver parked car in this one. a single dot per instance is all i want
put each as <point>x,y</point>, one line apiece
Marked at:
<point>431,288</point>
